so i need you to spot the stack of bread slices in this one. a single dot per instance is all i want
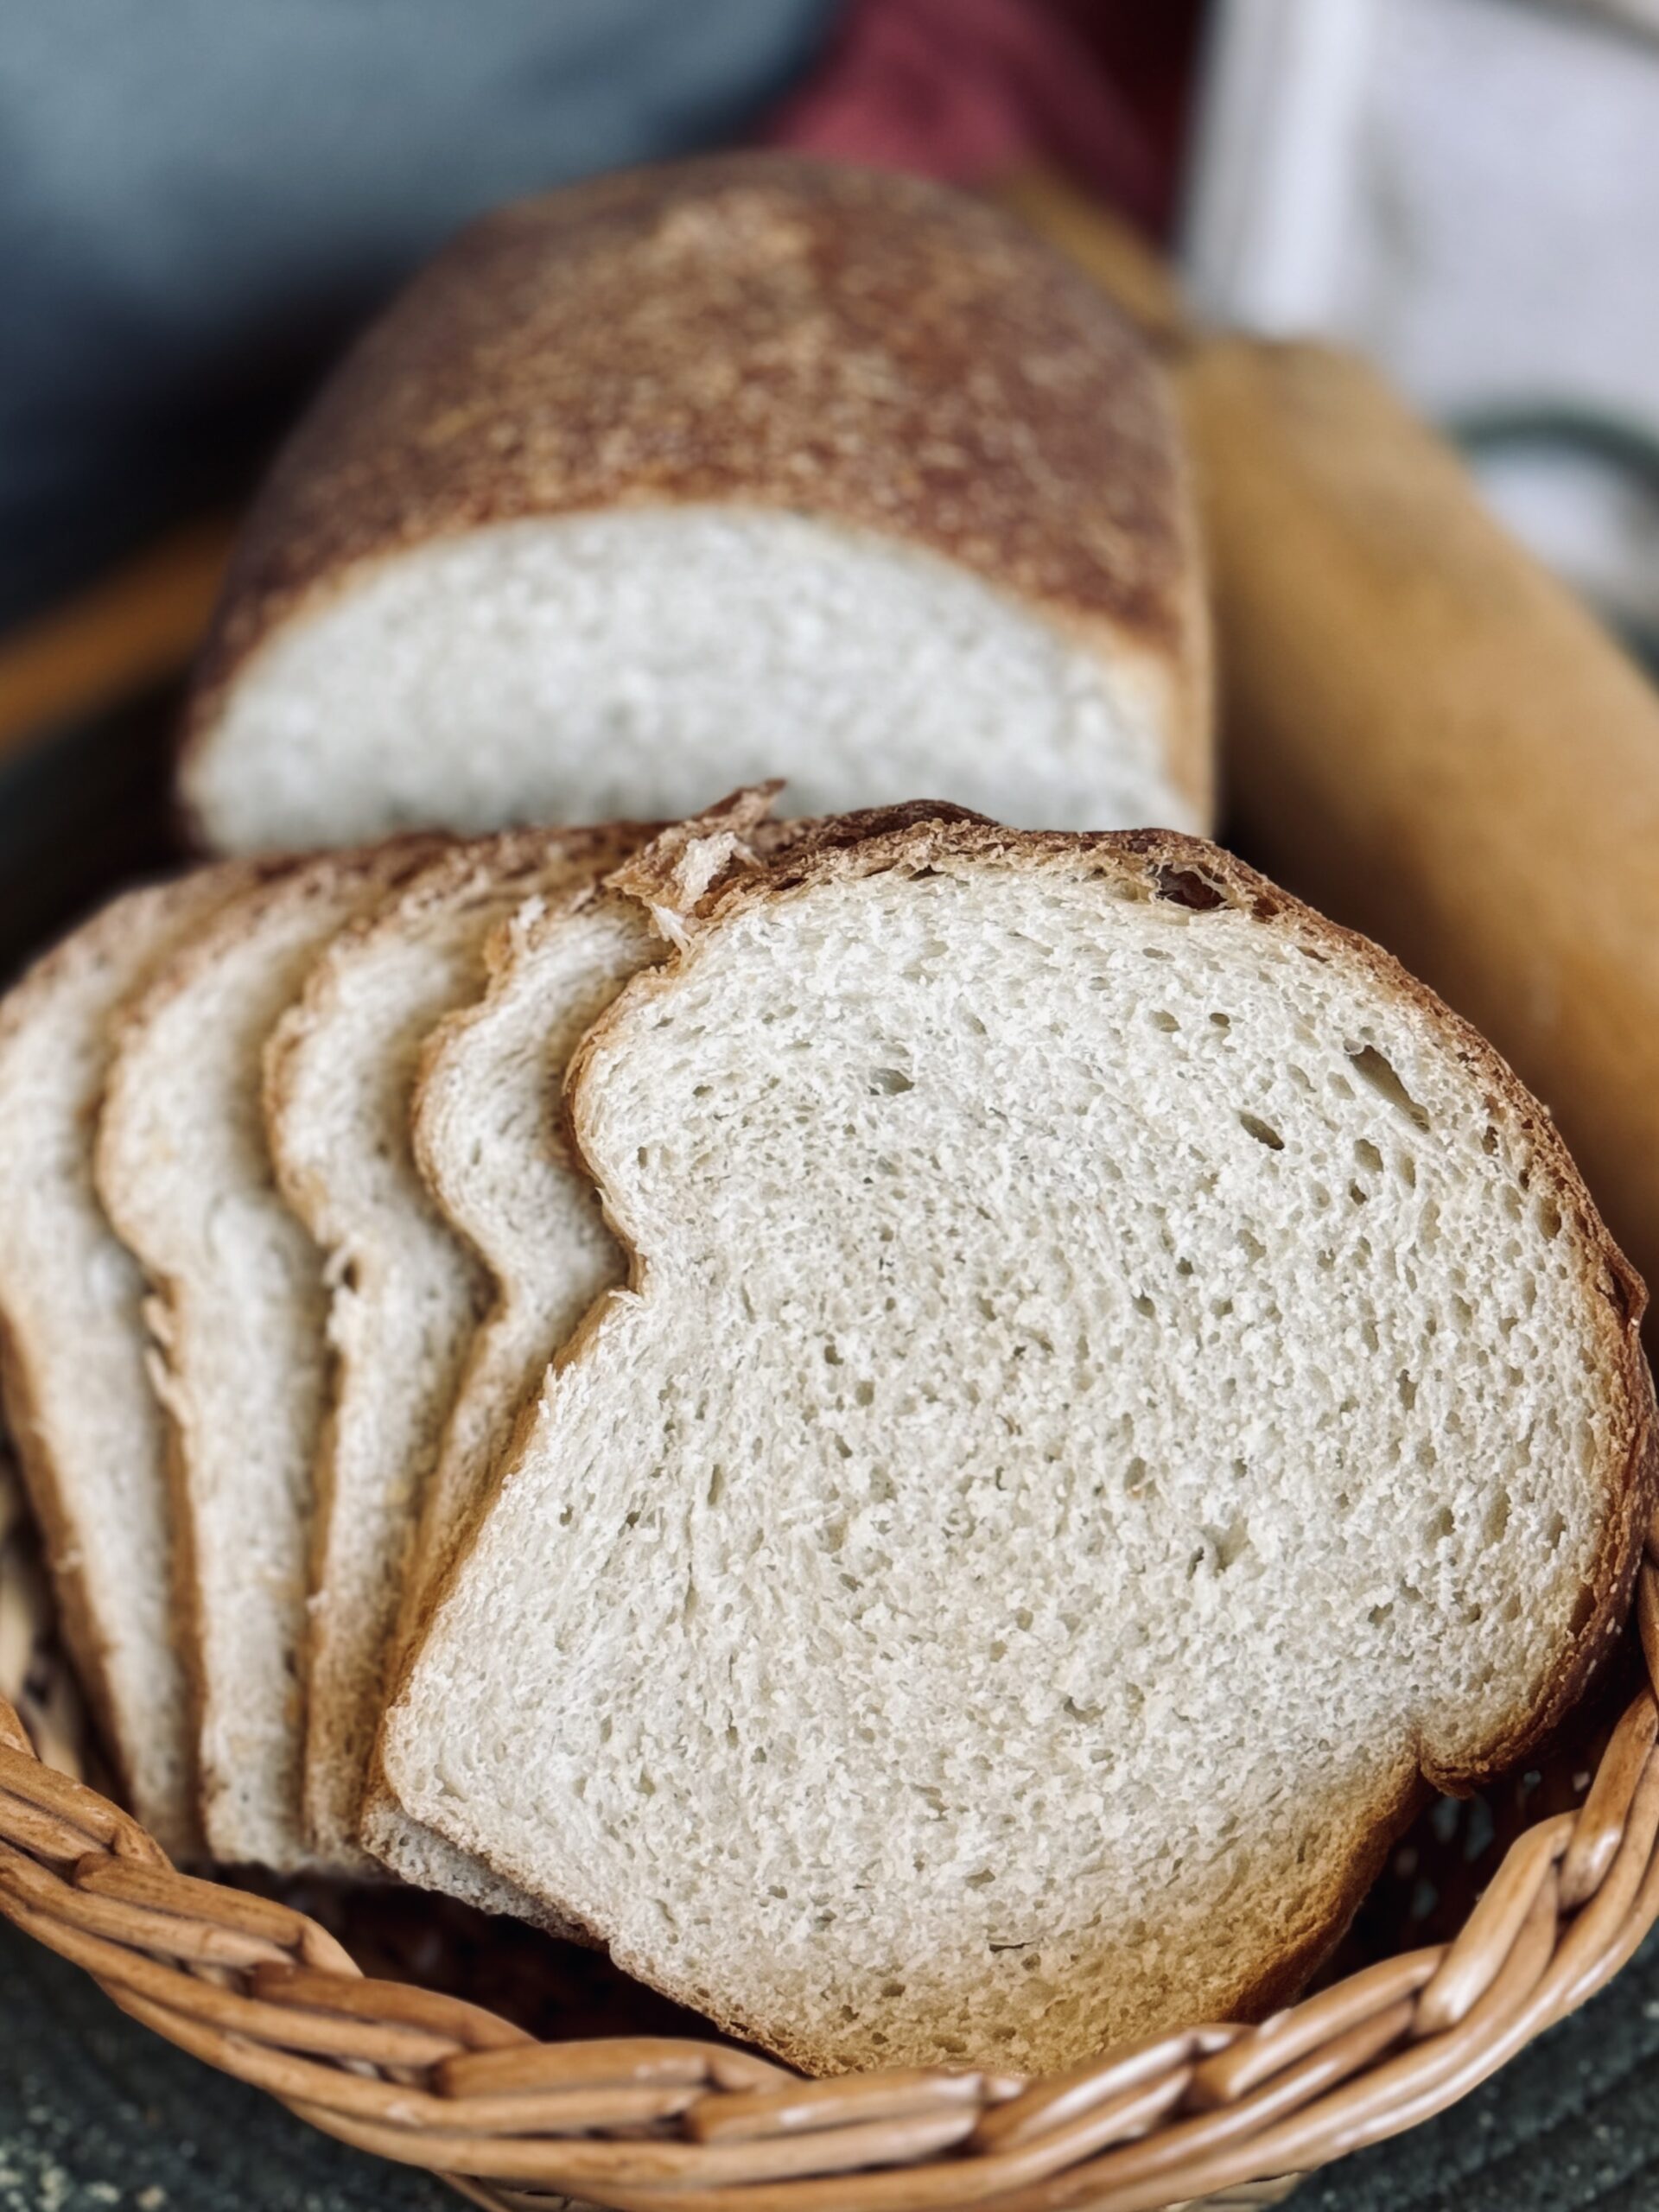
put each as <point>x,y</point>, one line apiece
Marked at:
<point>933,1431</point>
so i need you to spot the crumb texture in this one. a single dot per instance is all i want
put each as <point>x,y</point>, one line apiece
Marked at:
<point>1113,1383</point>
<point>586,667</point>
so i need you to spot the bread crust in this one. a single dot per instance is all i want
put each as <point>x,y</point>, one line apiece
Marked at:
<point>756,331</point>
<point>1191,872</point>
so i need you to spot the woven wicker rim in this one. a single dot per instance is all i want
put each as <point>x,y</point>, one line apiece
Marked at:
<point>652,2124</point>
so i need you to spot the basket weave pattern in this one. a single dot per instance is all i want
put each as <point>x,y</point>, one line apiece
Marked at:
<point>658,2125</point>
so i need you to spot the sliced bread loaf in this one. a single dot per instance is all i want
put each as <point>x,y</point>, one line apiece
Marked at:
<point>88,1431</point>
<point>407,1295</point>
<point>486,1139</point>
<point>718,469</point>
<point>237,1316</point>
<point>1118,1387</point>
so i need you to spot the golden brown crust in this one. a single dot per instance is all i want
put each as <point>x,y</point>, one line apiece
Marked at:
<point>761,331</point>
<point>1193,873</point>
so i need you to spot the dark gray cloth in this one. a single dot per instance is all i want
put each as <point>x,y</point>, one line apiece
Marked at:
<point>199,198</point>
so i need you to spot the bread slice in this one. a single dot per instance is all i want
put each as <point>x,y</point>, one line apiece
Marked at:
<point>87,1428</point>
<point>407,1295</point>
<point>238,1318</point>
<point>742,466</point>
<point>484,1136</point>
<point>1118,1386</point>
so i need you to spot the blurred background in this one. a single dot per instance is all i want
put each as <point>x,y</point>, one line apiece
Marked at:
<point>200,200</point>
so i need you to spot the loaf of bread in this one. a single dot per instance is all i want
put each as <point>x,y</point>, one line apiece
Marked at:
<point>1119,1388</point>
<point>238,1316</point>
<point>712,471</point>
<point>89,1433</point>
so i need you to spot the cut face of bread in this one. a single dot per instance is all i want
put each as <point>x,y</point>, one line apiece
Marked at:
<point>485,1137</point>
<point>238,1314</point>
<point>1117,1384</point>
<point>407,1296</point>
<point>739,467</point>
<point>589,666</point>
<point>88,1430</point>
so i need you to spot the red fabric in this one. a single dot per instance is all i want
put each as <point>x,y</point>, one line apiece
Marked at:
<point>963,89</point>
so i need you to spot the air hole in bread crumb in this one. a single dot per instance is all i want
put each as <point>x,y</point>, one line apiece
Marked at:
<point>1550,1219</point>
<point>890,1081</point>
<point>1228,1544</point>
<point>1379,1071</point>
<point>1136,1478</point>
<point>1556,1529</point>
<point>983,1879</point>
<point>1185,886</point>
<point>1143,1305</point>
<point>1367,1156</point>
<point>1408,1387</point>
<point>1222,1021</point>
<point>1253,1249</point>
<point>1263,1132</point>
<point>1380,1615</point>
<point>1164,1021</point>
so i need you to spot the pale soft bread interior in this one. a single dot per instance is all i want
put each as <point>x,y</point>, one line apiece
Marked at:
<point>1108,1391</point>
<point>491,1155</point>
<point>406,1296</point>
<point>87,1427</point>
<point>582,667</point>
<point>239,1359</point>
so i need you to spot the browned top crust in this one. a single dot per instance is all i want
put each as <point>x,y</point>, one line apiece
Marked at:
<point>765,331</point>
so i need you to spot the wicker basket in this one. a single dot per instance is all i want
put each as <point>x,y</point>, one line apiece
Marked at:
<point>1217,2115</point>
